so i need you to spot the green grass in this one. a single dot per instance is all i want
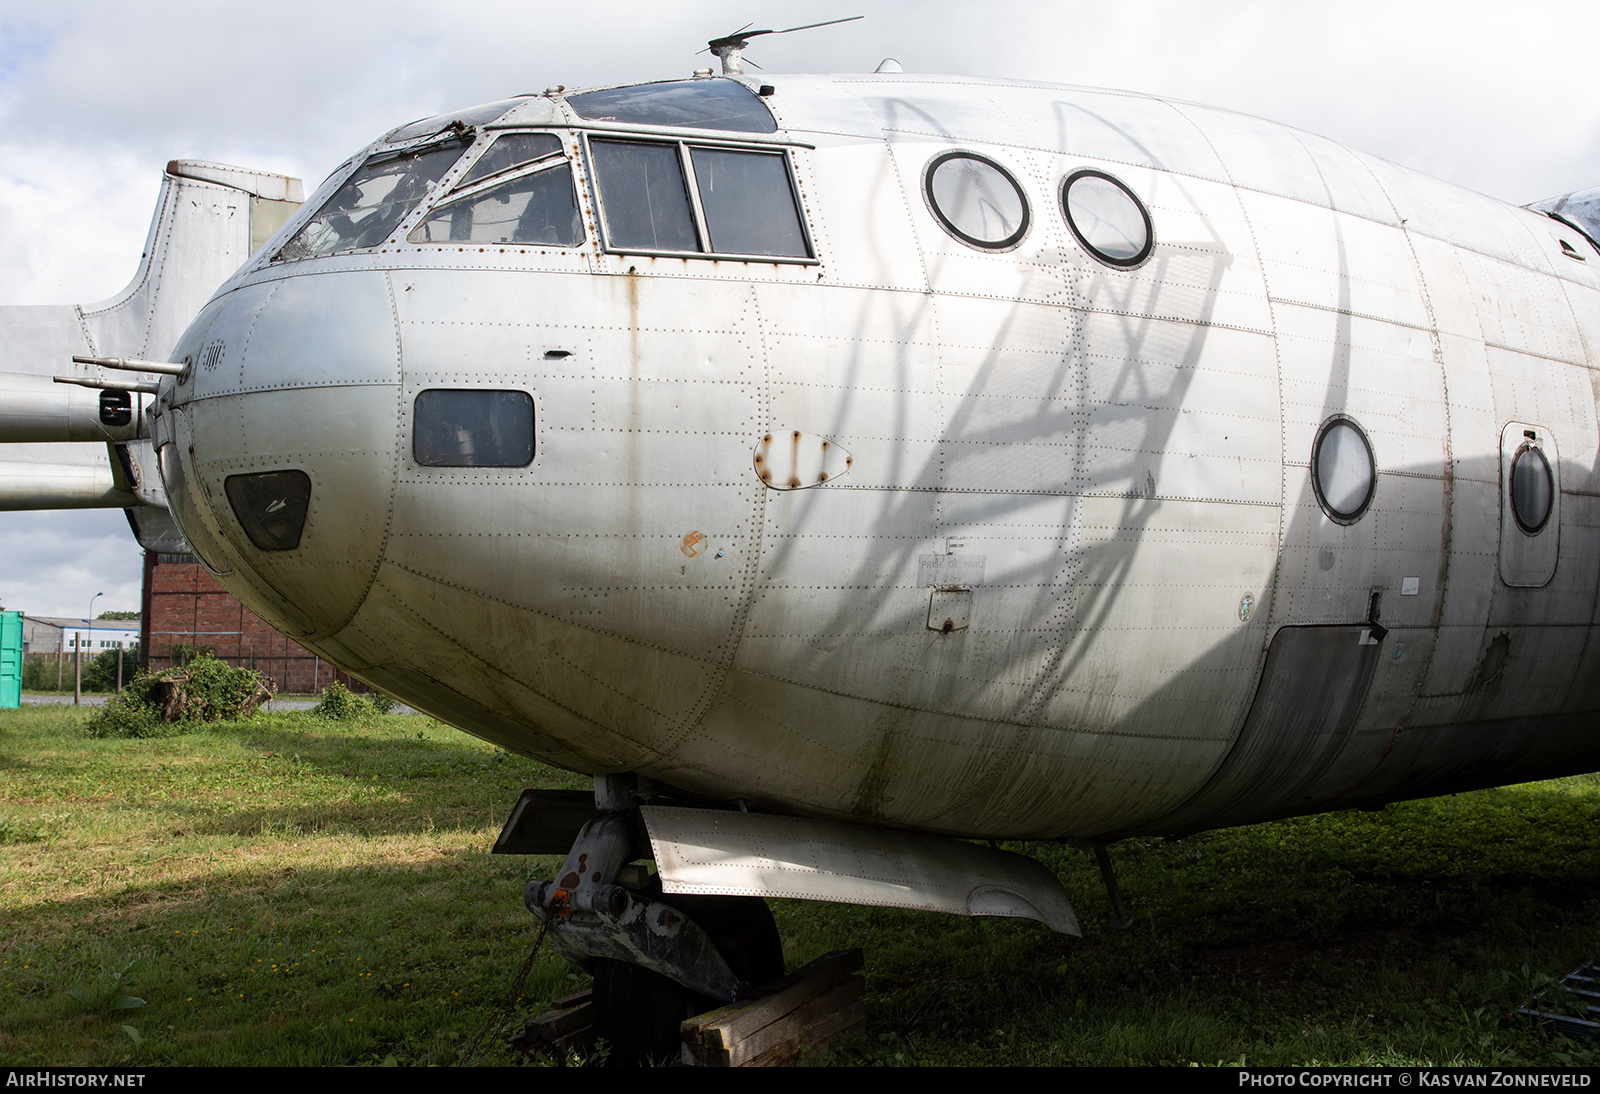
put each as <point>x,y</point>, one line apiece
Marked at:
<point>298,891</point>
<point>286,891</point>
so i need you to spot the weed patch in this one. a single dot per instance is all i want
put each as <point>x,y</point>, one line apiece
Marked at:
<point>205,690</point>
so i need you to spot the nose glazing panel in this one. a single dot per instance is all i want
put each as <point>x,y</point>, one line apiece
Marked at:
<point>271,507</point>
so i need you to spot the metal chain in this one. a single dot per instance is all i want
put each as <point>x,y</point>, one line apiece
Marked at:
<point>496,1027</point>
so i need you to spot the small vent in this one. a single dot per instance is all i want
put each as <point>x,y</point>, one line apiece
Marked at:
<point>211,355</point>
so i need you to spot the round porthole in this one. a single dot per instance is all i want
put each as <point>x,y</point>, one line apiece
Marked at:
<point>1108,220</point>
<point>977,201</point>
<point>1343,473</point>
<point>1532,489</point>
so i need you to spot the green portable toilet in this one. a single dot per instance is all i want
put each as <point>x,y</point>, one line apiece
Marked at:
<point>10,659</point>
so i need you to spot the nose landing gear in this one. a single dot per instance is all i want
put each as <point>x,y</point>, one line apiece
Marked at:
<point>656,958</point>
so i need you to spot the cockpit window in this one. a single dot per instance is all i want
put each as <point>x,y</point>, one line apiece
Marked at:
<point>536,208</point>
<point>646,203</point>
<point>748,202</point>
<point>374,200</point>
<point>695,104</point>
<point>472,115</point>
<point>509,151</point>
<point>746,199</point>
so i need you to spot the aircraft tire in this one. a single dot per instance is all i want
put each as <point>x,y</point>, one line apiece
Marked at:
<point>743,930</point>
<point>638,1012</point>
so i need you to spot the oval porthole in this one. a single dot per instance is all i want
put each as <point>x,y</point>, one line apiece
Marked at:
<point>977,201</point>
<point>1532,489</point>
<point>1343,473</point>
<point>1107,219</point>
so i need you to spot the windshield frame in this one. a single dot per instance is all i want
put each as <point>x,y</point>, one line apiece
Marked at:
<point>376,155</point>
<point>463,185</point>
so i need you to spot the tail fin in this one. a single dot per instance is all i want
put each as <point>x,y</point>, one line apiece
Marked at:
<point>209,219</point>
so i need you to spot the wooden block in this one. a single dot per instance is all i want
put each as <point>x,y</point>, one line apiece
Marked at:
<point>841,1026</point>
<point>837,1021</point>
<point>580,1041</point>
<point>792,1026</point>
<point>832,1027</point>
<point>568,1001</point>
<point>718,1029</point>
<point>772,1030</point>
<point>556,1031</point>
<point>561,1023</point>
<point>782,1054</point>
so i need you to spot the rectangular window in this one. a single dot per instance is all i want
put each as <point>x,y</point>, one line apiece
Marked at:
<point>683,198</point>
<point>694,104</point>
<point>473,428</point>
<point>748,202</point>
<point>646,202</point>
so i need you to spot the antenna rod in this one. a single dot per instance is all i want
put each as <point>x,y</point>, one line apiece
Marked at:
<point>731,48</point>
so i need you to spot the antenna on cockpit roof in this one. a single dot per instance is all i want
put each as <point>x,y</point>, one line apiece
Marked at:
<point>731,47</point>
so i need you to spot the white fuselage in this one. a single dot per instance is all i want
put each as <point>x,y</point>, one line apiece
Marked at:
<point>1103,472</point>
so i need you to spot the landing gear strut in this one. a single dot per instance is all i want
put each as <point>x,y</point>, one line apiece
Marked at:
<point>656,958</point>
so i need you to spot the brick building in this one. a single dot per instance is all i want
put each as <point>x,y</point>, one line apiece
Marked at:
<point>185,606</point>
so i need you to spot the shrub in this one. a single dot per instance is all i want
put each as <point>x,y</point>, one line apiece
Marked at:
<point>205,690</point>
<point>341,703</point>
<point>100,673</point>
<point>182,652</point>
<point>133,713</point>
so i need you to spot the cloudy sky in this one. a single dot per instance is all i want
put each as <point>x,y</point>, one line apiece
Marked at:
<point>96,95</point>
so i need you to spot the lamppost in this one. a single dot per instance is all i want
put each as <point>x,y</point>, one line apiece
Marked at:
<point>77,658</point>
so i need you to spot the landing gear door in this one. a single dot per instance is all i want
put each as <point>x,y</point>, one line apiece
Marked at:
<point>1311,691</point>
<point>1530,505</point>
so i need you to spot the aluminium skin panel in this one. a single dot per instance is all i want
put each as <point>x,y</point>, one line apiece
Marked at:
<point>1128,451</point>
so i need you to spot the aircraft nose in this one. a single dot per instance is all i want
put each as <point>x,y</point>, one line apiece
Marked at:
<point>279,455</point>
